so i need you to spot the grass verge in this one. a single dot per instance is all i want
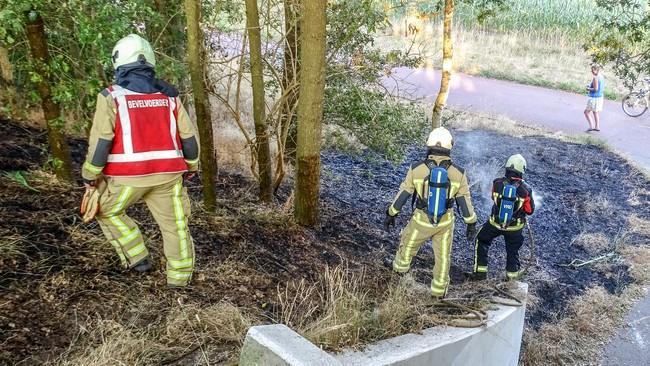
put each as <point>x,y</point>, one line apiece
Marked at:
<point>550,60</point>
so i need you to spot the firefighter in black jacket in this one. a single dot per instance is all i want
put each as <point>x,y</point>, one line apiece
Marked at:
<point>513,201</point>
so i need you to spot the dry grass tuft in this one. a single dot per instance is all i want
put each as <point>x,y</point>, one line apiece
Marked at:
<point>339,311</point>
<point>402,306</point>
<point>118,345</point>
<point>297,304</point>
<point>188,324</point>
<point>466,120</point>
<point>596,205</point>
<point>638,197</point>
<point>12,247</point>
<point>187,330</point>
<point>593,243</point>
<point>639,226</point>
<point>638,258</point>
<point>344,300</point>
<point>577,339</point>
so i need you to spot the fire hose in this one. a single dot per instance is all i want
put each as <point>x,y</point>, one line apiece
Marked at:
<point>532,259</point>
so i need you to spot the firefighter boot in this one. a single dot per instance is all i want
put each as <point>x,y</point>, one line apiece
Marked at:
<point>478,276</point>
<point>143,266</point>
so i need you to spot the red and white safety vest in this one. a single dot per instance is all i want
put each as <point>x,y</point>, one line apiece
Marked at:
<point>146,138</point>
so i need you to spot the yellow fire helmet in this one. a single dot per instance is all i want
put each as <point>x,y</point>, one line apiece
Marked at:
<point>440,137</point>
<point>516,163</point>
<point>133,49</point>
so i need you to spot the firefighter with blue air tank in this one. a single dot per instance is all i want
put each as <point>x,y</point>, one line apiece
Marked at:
<point>513,201</point>
<point>433,185</point>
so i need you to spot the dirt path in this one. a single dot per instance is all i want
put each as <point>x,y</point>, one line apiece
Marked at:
<point>557,111</point>
<point>551,109</point>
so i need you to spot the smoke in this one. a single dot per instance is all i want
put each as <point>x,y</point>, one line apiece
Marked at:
<point>481,165</point>
<point>481,175</point>
<point>539,200</point>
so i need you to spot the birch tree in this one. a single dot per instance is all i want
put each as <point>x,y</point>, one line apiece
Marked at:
<point>447,55</point>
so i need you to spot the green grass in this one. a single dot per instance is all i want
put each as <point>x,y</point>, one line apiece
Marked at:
<point>567,86</point>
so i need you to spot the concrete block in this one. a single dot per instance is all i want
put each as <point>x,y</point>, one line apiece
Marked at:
<point>277,345</point>
<point>497,344</point>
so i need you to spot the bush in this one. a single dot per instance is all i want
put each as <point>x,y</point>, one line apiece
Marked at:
<point>382,123</point>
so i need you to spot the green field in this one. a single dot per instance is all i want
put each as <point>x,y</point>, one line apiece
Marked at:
<point>544,17</point>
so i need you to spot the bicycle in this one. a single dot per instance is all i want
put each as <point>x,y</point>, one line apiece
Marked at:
<point>637,102</point>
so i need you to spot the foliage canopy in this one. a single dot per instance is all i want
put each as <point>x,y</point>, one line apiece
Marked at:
<point>623,38</point>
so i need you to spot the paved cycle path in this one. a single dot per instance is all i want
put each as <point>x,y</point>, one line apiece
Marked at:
<point>553,110</point>
<point>556,111</point>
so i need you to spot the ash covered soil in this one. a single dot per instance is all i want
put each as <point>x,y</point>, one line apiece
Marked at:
<point>578,189</point>
<point>63,275</point>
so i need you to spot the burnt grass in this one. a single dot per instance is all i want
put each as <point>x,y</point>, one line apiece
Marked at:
<point>66,275</point>
<point>582,188</point>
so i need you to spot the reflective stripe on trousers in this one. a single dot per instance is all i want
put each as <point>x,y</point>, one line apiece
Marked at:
<point>416,233</point>
<point>127,241</point>
<point>179,271</point>
<point>169,205</point>
<point>442,252</point>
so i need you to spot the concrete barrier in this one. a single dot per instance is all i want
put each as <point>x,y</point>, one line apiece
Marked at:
<point>497,344</point>
<point>277,345</point>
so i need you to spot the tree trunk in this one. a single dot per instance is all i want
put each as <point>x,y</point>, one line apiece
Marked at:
<point>55,123</point>
<point>195,56</point>
<point>7,89</point>
<point>310,112</point>
<point>447,54</point>
<point>259,113</point>
<point>290,74</point>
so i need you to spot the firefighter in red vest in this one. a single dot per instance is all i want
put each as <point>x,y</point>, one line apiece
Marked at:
<point>141,145</point>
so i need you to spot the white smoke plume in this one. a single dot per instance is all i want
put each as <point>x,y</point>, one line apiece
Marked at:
<point>539,199</point>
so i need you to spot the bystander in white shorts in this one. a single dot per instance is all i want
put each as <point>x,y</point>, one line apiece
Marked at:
<point>594,104</point>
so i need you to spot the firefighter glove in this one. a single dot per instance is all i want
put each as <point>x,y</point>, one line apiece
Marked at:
<point>90,201</point>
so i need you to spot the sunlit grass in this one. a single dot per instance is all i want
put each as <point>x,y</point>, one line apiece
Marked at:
<point>543,59</point>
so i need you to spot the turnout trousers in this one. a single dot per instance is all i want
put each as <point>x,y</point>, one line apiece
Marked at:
<point>417,232</point>
<point>170,207</point>
<point>514,240</point>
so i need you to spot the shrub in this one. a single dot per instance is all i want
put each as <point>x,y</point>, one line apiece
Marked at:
<point>382,123</point>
